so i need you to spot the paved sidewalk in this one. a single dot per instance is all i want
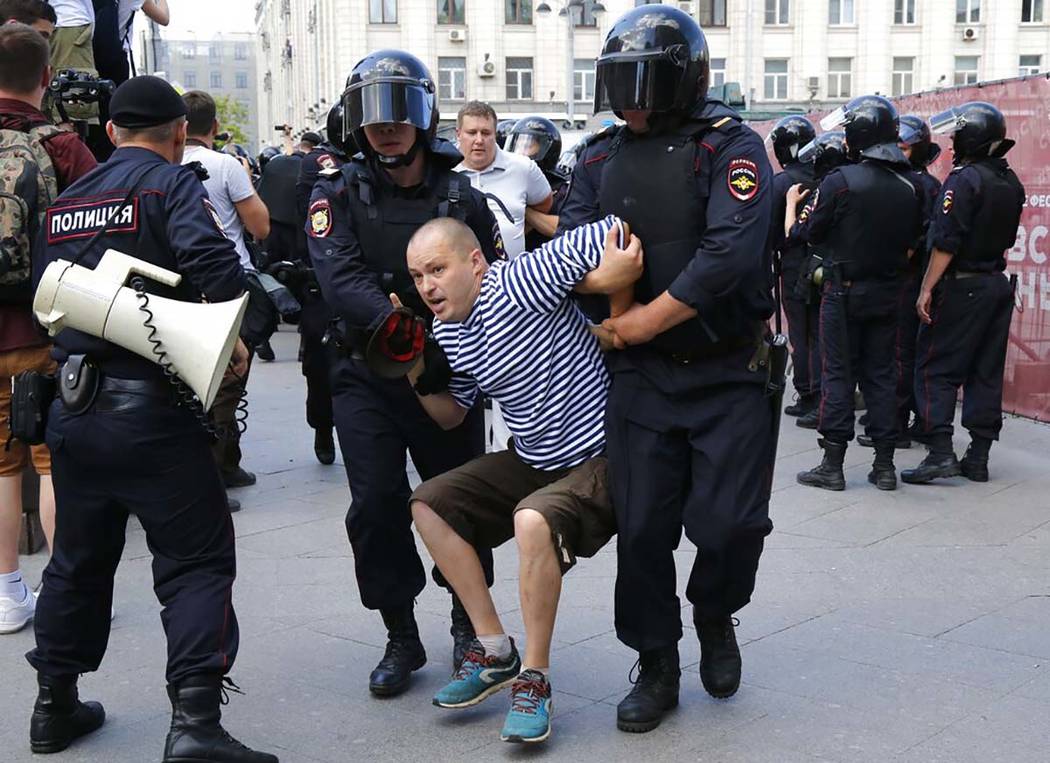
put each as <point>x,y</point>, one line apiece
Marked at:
<point>911,626</point>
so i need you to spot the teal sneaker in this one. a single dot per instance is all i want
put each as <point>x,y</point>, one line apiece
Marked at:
<point>478,677</point>
<point>529,719</point>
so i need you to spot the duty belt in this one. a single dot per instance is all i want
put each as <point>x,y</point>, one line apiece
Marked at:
<point>958,274</point>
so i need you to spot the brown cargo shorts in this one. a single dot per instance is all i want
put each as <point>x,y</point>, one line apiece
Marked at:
<point>16,458</point>
<point>479,500</point>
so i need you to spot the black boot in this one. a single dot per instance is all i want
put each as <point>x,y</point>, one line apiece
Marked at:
<point>803,405</point>
<point>903,441</point>
<point>939,463</point>
<point>59,716</point>
<point>462,631</point>
<point>655,691</point>
<point>324,446</point>
<point>829,474</point>
<point>974,465</point>
<point>883,474</point>
<point>196,735</point>
<point>809,419</point>
<point>404,653</point>
<point>719,655</point>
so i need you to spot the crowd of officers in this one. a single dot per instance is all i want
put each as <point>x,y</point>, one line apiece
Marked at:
<point>864,248</point>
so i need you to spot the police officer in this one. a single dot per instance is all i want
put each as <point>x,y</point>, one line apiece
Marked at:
<point>916,143</point>
<point>120,445</point>
<point>868,216</point>
<point>539,139</point>
<point>966,303</point>
<point>788,137</point>
<point>503,129</point>
<point>690,434</point>
<point>316,316</point>
<point>360,220</point>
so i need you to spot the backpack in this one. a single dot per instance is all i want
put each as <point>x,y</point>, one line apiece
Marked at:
<point>28,185</point>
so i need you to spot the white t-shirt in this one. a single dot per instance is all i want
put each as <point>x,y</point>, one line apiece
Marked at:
<point>73,12</point>
<point>518,182</point>
<point>226,185</point>
<point>124,12</point>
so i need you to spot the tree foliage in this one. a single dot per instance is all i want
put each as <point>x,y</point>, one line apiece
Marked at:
<point>232,117</point>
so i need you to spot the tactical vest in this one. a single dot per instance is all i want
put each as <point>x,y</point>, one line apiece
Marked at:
<point>385,222</point>
<point>994,227</point>
<point>660,185</point>
<point>872,235</point>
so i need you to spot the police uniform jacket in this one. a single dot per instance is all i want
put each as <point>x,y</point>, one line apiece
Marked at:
<point>322,157</point>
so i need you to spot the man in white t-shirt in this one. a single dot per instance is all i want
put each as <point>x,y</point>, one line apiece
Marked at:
<point>236,208</point>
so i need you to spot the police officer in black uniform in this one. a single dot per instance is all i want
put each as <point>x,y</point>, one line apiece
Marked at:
<point>359,222</point>
<point>788,137</point>
<point>539,139</point>
<point>966,302</point>
<point>690,433</point>
<point>121,445</point>
<point>868,216</point>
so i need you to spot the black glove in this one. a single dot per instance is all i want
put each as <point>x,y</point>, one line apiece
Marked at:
<point>436,371</point>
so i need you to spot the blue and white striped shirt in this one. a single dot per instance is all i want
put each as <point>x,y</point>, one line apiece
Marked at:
<point>528,346</point>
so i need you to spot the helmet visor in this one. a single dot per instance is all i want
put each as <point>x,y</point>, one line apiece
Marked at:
<point>837,118</point>
<point>392,100</point>
<point>809,152</point>
<point>636,82</point>
<point>947,122</point>
<point>528,144</point>
<point>909,134</point>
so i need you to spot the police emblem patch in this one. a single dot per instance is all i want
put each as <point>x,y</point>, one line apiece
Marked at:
<point>742,179</point>
<point>947,201</point>
<point>320,218</point>
<point>325,162</point>
<point>214,216</point>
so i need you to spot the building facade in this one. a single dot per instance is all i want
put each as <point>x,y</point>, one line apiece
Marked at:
<point>785,53</point>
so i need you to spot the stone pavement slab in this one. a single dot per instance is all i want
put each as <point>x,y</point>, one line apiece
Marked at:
<point>886,626</point>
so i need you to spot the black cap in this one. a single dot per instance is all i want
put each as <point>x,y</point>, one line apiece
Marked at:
<point>312,137</point>
<point>145,101</point>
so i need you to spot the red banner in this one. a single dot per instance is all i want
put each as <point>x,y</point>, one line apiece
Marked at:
<point>1026,104</point>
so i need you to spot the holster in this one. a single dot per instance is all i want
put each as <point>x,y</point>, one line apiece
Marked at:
<point>78,384</point>
<point>31,396</point>
<point>805,288</point>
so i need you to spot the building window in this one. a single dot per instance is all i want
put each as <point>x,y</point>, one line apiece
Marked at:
<point>189,50</point>
<point>216,80</point>
<point>903,75</point>
<point>451,12</point>
<point>1030,65</point>
<point>840,76</point>
<point>903,11</point>
<point>718,72</point>
<point>214,52</point>
<point>241,80</point>
<point>776,79</point>
<point>452,79</point>
<point>519,79</point>
<point>840,12</point>
<point>966,70</point>
<point>240,52</point>
<point>583,79</point>
<point>519,12</point>
<point>189,79</point>
<point>967,11</point>
<point>712,13</point>
<point>1031,11</point>
<point>382,11</point>
<point>777,11</point>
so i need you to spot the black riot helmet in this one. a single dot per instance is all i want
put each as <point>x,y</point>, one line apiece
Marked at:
<point>788,136</point>
<point>978,129</point>
<point>870,122</point>
<point>503,130</point>
<point>827,151</point>
<point>266,155</point>
<point>390,86</point>
<point>334,130</point>
<point>537,138</point>
<point>655,58</point>
<point>915,132</point>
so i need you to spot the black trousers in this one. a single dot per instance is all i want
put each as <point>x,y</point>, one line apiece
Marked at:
<point>858,334</point>
<point>907,332</point>
<point>151,460</point>
<point>803,322</point>
<point>965,346</point>
<point>316,366</point>
<point>377,421</point>
<point>702,461</point>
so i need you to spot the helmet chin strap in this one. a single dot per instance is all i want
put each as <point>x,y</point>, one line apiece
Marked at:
<point>401,160</point>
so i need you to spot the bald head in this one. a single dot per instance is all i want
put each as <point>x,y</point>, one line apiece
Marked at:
<point>447,267</point>
<point>444,233</point>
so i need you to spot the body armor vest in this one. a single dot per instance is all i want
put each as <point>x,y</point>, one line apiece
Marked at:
<point>994,227</point>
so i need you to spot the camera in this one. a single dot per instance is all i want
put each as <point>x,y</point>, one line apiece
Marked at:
<point>70,86</point>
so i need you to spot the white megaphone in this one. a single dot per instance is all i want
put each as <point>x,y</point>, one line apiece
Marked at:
<point>197,339</point>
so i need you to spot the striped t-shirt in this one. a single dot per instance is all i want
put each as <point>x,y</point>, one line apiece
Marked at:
<point>528,346</point>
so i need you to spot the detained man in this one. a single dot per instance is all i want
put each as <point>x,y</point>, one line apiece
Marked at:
<point>512,331</point>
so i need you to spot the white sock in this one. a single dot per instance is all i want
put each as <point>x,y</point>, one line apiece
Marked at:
<point>496,645</point>
<point>545,671</point>
<point>11,585</point>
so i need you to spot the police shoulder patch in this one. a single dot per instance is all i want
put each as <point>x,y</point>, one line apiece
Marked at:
<point>742,179</point>
<point>947,201</point>
<point>320,218</point>
<point>326,162</point>
<point>214,215</point>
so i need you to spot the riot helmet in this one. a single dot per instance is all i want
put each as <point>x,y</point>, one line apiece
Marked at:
<point>915,132</point>
<point>504,127</point>
<point>537,138</point>
<point>870,123</point>
<point>827,151</point>
<point>334,130</point>
<point>655,58</point>
<point>788,136</point>
<point>390,86</point>
<point>978,129</point>
<point>266,155</point>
